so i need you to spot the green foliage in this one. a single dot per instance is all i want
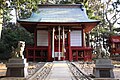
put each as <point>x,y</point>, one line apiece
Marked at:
<point>108,13</point>
<point>73,1</point>
<point>5,11</point>
<point>65,2</point>
<point>24,8</point>
<point>10,37</point>
<point>11,34</point>
<point>4,51</point>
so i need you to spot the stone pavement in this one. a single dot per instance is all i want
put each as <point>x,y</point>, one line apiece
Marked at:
<point>60,71</point>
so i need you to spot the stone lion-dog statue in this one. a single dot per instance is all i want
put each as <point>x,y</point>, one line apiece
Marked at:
<point>18,52</point>
<point>102,52</point>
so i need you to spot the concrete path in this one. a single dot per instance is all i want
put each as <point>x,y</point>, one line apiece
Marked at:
<point>60,71</point>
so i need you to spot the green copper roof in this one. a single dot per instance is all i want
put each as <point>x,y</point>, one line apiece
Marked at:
<point>59,14</point>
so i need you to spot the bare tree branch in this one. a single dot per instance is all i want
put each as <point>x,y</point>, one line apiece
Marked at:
<point>116,20</point>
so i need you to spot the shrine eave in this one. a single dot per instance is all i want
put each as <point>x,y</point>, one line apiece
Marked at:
<point>87,26</point>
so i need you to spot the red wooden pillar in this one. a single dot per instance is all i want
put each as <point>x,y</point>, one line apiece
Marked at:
<point>69,47</point>
<point>84,55</point>
<point>77,55</point>
<point>35,44</point>
<point>91,54</point>
<point>34,57</point>
<point>49,47</point>
<point>83,37</point>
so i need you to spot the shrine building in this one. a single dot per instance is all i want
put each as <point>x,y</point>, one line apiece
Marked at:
<point>115,45</point>
<point>59,33</point>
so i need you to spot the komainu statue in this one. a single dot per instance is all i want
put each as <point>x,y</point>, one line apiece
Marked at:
<point>102,52</point>
<point>18,52</point>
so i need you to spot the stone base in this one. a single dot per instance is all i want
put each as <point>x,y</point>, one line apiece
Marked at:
<point>103,68</point>
<point>17,68</point>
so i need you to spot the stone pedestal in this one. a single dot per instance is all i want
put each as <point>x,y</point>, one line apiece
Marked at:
<point>17,67</point>
<point>103,68</point>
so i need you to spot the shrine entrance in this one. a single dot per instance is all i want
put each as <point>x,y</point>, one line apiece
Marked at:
<point>59,44</point>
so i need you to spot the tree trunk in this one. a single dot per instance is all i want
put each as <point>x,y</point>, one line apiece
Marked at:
<point>1,21</point>
<point>110,26</point>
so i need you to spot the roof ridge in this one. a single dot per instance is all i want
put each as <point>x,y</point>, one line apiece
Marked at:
<point>61,5</point>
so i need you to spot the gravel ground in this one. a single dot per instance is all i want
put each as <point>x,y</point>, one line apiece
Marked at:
<point>32,68</point>
<point>88,68</point>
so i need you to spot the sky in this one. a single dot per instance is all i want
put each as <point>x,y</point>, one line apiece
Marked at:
<point>13,17</point>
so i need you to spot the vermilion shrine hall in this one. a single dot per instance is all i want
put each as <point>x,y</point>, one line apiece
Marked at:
<point>59,33</point>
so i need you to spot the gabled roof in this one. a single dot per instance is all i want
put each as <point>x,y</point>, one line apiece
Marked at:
<point>59,14</point>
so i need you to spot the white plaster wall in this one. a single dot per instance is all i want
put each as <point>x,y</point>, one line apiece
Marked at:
<point>76,38</point>
<point>42,38</point>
